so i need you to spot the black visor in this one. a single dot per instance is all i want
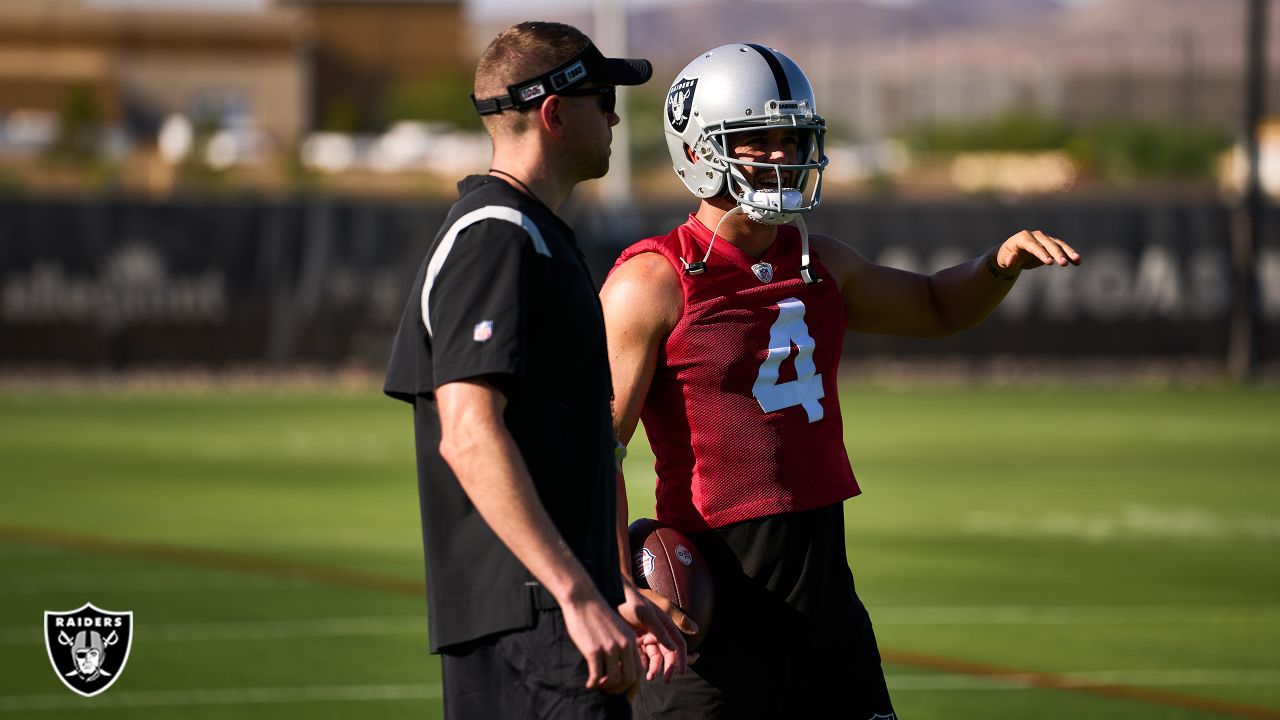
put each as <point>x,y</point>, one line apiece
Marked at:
<point>589,64</point>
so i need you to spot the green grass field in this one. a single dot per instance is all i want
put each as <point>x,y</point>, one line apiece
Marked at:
<point>1026,553</point>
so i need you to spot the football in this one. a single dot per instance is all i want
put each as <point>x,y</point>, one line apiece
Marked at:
<point>666,561</point>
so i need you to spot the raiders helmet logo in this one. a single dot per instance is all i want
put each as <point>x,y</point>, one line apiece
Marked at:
<point>680,103</point>
<point>88,647</point>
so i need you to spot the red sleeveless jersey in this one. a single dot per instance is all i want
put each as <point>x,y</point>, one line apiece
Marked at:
<point>743,415</point>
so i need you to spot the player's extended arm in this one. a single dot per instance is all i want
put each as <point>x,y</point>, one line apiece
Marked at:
<point>489,467</point>
<point>880,299</point>
<point>642,302</point>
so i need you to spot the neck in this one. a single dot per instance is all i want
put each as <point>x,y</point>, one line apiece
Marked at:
<point>527,163</point>
<point>747,235</point>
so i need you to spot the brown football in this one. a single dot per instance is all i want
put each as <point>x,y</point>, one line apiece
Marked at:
<point>666,561</point>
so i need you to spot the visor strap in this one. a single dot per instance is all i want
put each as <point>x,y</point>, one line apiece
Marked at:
<point>529,92</point>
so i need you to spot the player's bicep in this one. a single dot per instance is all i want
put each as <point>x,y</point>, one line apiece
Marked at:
<point>891,301</point>
<point>469,408</point>
<point>878,298</point>
<point>642,302</point>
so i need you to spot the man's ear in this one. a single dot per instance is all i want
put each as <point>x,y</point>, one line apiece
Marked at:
<point>551,118</point>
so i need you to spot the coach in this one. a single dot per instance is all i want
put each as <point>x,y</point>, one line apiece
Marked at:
<point>501,351</point>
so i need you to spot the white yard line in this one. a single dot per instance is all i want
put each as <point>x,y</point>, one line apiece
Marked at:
<point>143,582</point>
<point>220,696</point>
<point>1221,677</point>
<point>1072,614</point>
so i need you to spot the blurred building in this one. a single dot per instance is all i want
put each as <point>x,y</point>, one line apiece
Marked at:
<point>276,66</point>
<point>134,66</point>
<point>363,51</point>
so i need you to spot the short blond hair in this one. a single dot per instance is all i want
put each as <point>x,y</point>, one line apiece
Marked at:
<point>522,52</point>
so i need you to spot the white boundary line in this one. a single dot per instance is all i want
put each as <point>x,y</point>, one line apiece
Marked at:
<point>1222,677</point>
<point>1072,614</point>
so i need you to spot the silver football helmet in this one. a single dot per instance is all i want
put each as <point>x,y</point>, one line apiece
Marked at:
<point>741,88</point>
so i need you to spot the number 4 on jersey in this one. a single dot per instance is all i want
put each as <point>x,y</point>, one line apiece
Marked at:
<point>806,390</point>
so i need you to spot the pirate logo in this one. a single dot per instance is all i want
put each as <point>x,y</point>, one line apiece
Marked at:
<point>680,102</point>
<point>88,647</point>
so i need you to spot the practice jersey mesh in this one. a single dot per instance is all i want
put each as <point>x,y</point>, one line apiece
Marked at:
<point>741,432</point>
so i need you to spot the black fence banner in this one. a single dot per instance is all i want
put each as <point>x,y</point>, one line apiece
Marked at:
<point>116,283</point>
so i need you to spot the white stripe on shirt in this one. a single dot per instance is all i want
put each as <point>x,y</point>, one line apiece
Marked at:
<point>488,212</point>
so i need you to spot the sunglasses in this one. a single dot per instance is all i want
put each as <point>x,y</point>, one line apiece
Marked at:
<point>608,96</point>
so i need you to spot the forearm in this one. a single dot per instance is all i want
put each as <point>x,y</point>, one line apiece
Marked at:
<point>964,295</point>
<point>492,473</point>
<point>624,535</point>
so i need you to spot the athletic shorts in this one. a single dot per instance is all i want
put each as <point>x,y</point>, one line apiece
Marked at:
<point>535,674</point>
<point>789,637</point>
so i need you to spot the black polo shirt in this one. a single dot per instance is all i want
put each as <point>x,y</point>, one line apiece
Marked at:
<point>507,297</point>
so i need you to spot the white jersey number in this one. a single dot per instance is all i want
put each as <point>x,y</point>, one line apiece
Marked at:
<point>806,390</point>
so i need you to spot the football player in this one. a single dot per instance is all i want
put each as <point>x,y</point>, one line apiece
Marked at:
<point>725,336</point>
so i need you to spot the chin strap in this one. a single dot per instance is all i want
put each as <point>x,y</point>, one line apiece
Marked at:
<point>697,268</point>
<point>806,269</point>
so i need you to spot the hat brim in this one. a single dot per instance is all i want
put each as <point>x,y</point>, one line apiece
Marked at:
<point>623,71</point>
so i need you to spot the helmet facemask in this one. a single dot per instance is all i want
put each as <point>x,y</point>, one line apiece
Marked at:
<point>790,189</point>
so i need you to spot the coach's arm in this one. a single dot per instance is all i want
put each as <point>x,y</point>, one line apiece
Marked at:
<point>485,458</point>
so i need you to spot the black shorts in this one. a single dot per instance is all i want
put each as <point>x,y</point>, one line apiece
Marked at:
<point>536,673</point>
<point>789,637</point>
